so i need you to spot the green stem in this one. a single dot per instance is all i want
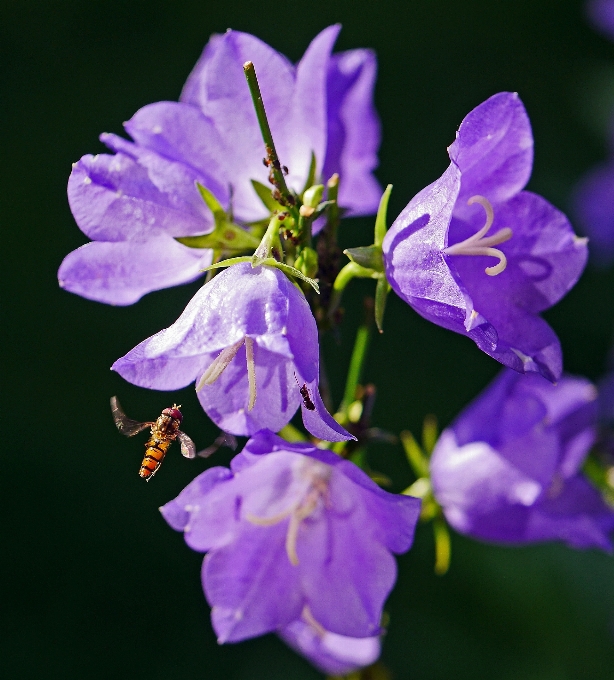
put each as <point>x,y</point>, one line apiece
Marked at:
<point>359,354</point>
<point>271,152</point>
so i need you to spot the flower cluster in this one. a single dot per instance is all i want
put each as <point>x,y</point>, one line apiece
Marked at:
<point>299,538</point>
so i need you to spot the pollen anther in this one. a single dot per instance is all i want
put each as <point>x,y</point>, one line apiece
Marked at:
<point>479,244</point>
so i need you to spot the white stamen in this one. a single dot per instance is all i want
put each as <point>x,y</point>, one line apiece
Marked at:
<point>291,537</point>
<point>251,372</point>
<point>270,521</point>
<point>478,245</point>
<point>218,365</point>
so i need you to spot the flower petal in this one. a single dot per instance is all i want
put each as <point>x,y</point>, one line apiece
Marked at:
<point>305,131</point>
<point>493,150</point>
<point>318,420</point>
<point>353,130</point>
<point>331,653</point>
<point>360,589</point>
<point>251,586</point>
<point>113,199</point>
<point>121,273</point>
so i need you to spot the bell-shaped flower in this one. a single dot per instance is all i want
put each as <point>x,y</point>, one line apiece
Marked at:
<point>136,203</point>
<point>442,257</point>
<point>593,202</point>
<point>333,654</point>
<point>509,469</point>
<point>250,342</point>
<point>295,533</point>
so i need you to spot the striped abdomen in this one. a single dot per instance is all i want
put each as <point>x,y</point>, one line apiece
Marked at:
<point>154,455</point>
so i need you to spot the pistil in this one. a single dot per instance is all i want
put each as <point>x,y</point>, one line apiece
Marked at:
<point>297,512</point>
<point>479,244</point>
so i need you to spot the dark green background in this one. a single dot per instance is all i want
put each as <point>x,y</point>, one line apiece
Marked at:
<point>95,585</point>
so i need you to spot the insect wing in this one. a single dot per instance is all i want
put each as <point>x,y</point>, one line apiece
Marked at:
<point>188,449</point>
<point>224,439</point>
<point>126,425</point>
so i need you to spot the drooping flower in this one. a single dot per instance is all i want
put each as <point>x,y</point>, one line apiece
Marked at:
<point>593,202</point>
<point>295,533</point>
<point>331,653</point>
<point>250,342</point>
<point>440,257</point>
<point>509,469</point>
<point>136,203</point>
<point>601,14</point>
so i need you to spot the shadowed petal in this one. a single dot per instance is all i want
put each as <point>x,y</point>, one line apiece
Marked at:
<point>353,130</point>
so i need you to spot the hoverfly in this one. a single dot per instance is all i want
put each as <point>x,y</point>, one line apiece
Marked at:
<point>164,431</point>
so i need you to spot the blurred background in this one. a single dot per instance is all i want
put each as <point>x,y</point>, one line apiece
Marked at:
<point>82,538</point>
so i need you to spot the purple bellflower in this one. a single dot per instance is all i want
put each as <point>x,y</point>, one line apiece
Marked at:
<point>508,470</point>
<point>298,540</point>
<point>136,203</point>
<point>249,340</point>
<point>601,15</point>
<point>440,258</point>
<point>593,202</point>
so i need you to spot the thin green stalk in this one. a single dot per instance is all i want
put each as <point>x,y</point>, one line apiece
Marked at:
<point>271,152</point>
<point>359,354</point>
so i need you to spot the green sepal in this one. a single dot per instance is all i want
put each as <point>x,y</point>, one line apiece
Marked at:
<point>382,289</point>
<point>265,195</point>
<point>311,176</point>
<point>380,219</point>
<point>213,204</point>
<point>369,257</point>
<point>225,236</point>
<point>269,262</point>
<point>292,271</point>
<point>270,246</point>
<point>307,262</point>
<point>416,457</point>
<point>227,263</point>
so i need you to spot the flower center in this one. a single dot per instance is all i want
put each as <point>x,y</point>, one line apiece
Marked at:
<point>479,244</point>
<point>301,509</point>
<point>222,361</point>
